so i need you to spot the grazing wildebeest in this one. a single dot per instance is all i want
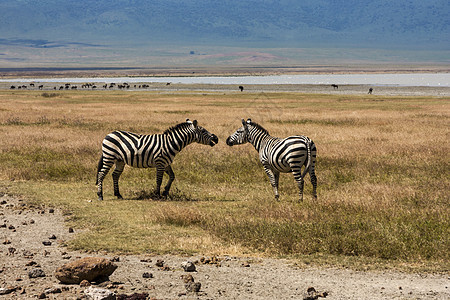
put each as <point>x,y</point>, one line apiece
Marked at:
<point>41,87</point>
<point>241,88</point>
<point>12,87</point>
<point>335,86</point>
<point>370,91</point>
<point>148,151</point>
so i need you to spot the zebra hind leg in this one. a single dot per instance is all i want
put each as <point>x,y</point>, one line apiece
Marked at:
<point>312,174</point>
<point>159,176</point>
<point>115,175</point>
<point>300,183</point>
<point>169,172</point>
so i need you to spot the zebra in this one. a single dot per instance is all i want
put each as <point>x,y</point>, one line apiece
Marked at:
<point>279,155</point>
<point>145,151</point>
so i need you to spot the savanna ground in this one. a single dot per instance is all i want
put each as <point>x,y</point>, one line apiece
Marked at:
<point>382,167</point>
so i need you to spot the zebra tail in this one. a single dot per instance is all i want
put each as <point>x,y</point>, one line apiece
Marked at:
<point>308,164</point>
<point>99,168</point>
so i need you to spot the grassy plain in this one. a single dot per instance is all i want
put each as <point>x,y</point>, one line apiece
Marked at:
<point>382,168</point>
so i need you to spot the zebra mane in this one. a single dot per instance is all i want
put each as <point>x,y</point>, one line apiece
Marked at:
<point>177,127</point>
<point>259,127</point>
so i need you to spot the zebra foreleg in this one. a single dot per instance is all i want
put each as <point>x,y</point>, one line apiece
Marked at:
<point>103,169</point>
<point>115,175</point>
<point>159,176</point>
<point>169,172</point>
<point>274,177</point>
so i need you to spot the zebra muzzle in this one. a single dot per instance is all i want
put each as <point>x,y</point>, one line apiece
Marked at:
<point>214,140</point>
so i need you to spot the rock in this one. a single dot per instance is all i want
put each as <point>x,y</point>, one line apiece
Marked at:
<point>52,237</point>
<point>193,287</point>
<point>47,243</point>
<point>6,242</point>
<point>51,210</point>
<point>54,290</point>
<point>6,291</point>
<point>35,273</point>
<point>135,296</point>
<point>187,278</point>
<point>42,296</point>
<point>70,230</point>
<point>147,275</point>
<point>188,266</point>
<point>312,294</point>
<point>159,263</point>
<point>88,268</point>
<point>99,294</point>
<point>85,283</point>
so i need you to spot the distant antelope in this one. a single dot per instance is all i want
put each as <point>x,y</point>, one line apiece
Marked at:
<point>335,86</point>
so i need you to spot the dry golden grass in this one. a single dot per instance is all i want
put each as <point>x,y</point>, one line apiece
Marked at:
<point>382,169</point>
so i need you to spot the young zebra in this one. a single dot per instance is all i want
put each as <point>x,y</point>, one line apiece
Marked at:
<point>148,151</point>
<point>279,155</point>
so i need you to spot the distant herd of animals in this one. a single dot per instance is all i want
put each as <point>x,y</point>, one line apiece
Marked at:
<point>119,86</point>
<point>277,155</point>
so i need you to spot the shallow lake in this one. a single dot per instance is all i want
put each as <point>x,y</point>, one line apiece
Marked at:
<point>412,79</point>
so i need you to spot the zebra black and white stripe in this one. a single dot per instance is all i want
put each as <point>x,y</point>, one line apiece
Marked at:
<point>279,155</point>
<point>148,151</point>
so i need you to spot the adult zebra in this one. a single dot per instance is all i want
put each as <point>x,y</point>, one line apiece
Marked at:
<point>279,155</point>
<point>145,151</point>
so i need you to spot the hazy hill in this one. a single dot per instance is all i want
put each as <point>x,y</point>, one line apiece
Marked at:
<point>384,24</point>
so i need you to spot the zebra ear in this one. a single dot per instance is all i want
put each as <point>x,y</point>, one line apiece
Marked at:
<point>249,121</point>
<point>187,120</point>
<point>243,122</point>
<point>195,123</point>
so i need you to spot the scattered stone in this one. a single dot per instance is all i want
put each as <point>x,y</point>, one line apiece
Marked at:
<point>85,283</point>
<point>27,254</point>
<point>3,202</point>
<point>31,221</point>
<point>187,278</point>
<point>147,275</point>
<point>47,243</point>
<point>146,260</point>
<point>70,230</point>
<point>6,242</point>
<point>89,268</point>
<point>99,294</point>
<point>3,226</point>
<point>11,251</point>
<point>42,296</point>
<point>11,227</point>
<point>51,210</point>
<point>6,291</point>
<point>312,294</point>
<point>115,259</point>
<point>245,265</point>
<point>159,263</point>
<point>35,273</point>
<point>31,263</point>
<point>54,290</point>
<point>135,296</point>
<point>52,237</point>
<point>188,266</point>
<point>193,287</point>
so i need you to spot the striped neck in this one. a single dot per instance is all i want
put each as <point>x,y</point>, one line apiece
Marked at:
<point>257,136</point>
<point>180,136</point>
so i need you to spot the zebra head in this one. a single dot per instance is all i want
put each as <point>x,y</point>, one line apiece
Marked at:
<point>203,136</point>
<point>240,136</point>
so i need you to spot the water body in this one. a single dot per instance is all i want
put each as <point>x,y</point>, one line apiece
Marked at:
<point>412,79</point>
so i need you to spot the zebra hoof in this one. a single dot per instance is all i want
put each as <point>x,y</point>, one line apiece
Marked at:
<point>165,194</point>
<point>100,198</point>
<point>119,197</point>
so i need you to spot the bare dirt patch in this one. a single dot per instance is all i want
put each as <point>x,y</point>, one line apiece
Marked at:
<point>32,238</point>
